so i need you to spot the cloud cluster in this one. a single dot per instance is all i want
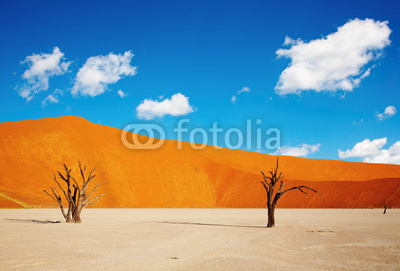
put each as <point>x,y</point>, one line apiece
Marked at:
<point>99,71</point>
<point>389,112</point>
<point>372,152</point>
<point>244,89</point>
<point>335,62</point>
<point>176,106</point>
<point>299,151</point>
<point>41,68</point>
<point>92,78</point>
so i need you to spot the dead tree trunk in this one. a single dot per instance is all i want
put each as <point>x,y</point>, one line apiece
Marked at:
<point>271,217</point>
<point>79,198</point>
<point>269,184</point>
<point>77,216</point>
<point>384,211</point>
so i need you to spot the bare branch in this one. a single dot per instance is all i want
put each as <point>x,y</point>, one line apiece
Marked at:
<point>82,172</point>
<point>51,196</point>
<point>280,176</point>
<point>94,189</point>
<point>58,200</point>
<point>281,187</point>
<point>90,177</point>
<point>67,172</point>
<point>265,186</point>
<point>58,194</point>
<point>62,176</point>
<point>278,194</point>
<point>300,188</point>
<point>59,185</point>
<point>84,168</point>
<point>265,179</point>
<point>74,200</point>
<point>76,183</point>
<point>97,197</point>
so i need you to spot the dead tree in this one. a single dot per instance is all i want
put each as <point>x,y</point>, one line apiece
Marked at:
<point>269,184</point>
<point>77,196</point>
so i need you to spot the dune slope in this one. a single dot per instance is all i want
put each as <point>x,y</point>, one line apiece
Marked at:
<point>169,177</point>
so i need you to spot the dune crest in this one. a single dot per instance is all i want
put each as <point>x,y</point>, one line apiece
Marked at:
<point>167,177</point>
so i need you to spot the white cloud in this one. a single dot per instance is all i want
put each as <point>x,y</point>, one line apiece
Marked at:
<point>122,94</point>
<point>372,152</point>
<point>50,99</point>
<point>335,62</point>
<point>389,112</point>
<point>41,68</point>
<point>364,149</point>
<point>176,106</point>
<point>389,156</point>
<point>100,71</point>
<point>53,98</point>
<point>299,151</point>
<point>244,89</point>
<point>235,98</point>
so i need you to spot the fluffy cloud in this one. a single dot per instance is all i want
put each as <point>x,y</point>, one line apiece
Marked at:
<point>389,112</point>
<point>335,62</point>
<point>41,68</point>
<point>364,149</point>
<point>121,94</point>
<point>99,71</point>
<point>372,152</point>
<point>235,98</point>
<point>176,106</point>
<point>299,151</point>
<point>50,99</point>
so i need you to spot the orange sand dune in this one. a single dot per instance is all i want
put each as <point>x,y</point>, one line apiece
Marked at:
<point>167,177</point>
<point>5,202</point>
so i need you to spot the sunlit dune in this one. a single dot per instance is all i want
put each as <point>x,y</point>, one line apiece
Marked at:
<point>168,177</point>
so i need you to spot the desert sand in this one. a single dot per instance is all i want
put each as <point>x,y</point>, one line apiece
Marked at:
<point>30,151</point>
<point>200,239</point>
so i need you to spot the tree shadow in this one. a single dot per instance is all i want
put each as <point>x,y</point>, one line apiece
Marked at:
<point>32,221</point>
<point>214,225</point>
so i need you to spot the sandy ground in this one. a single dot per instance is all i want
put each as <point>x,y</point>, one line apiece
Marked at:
<point>200,239</point>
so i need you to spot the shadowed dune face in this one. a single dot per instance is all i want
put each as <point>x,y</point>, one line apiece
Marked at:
<point>167,177</point>
<point>5,202</point>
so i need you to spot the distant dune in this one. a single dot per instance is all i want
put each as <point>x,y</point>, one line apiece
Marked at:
<point>167,177</point>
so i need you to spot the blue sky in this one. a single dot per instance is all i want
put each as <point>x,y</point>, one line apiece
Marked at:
<point>172,60</point>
